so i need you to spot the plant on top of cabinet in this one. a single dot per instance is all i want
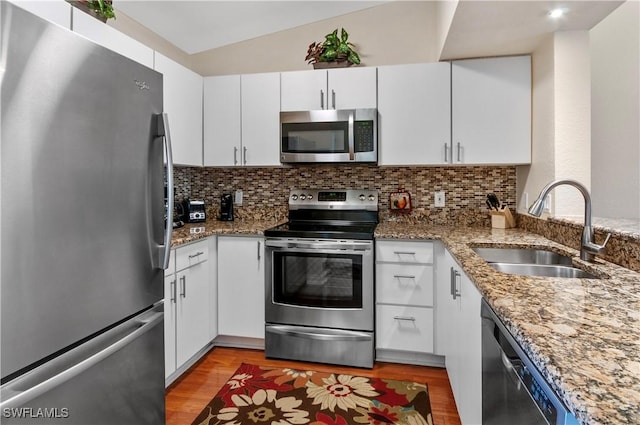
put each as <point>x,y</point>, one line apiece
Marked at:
<point>333,51</point>
<point>101,9</point>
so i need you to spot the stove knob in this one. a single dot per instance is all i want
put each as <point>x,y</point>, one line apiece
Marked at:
<point>294,197</point>
<point>372,198</point>
<point>309,196</point>
<point>303,197</point>
<point>362,197</point>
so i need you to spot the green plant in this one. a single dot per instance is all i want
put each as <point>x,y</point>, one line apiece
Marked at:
<point>333,49</point>
<point>102,8</point>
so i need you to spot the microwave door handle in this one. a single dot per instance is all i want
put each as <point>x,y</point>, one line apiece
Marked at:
<point>352,155</point>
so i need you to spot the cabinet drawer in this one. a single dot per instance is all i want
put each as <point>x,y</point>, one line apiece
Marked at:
<point>404,252</point>
<point>192,254</point>
<point>404,284</point>
<point>404,328</point>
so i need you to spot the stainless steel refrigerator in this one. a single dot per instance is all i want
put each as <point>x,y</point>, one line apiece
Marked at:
<point>82,227</point>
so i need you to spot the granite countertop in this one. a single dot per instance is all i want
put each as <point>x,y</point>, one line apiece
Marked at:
<point>583,334</point>
<point>194,231</point>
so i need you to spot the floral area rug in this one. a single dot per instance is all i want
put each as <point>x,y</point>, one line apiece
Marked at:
<point>265,396</point>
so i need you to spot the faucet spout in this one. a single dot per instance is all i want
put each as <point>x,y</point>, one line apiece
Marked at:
<point>588,247</point>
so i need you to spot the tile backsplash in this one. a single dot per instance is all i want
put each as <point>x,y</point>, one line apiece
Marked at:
<point>267,189</point>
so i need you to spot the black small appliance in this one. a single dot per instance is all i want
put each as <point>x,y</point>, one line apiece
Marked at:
<point>194,211</point>
<point>226,207</point>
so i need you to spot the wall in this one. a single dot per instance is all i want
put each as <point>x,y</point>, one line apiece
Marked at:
<point>561,122</point>
<point>615,127</point>
<point>133,29</point>
<point>268,188</point>
<point>445,10</point>
<point>572,106</point>
<point>532,178</point>
<point>408,36</point>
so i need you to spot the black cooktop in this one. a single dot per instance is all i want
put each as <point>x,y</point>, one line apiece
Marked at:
<point>322,230</point>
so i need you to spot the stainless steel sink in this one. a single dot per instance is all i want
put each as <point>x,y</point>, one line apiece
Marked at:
<point>522,256</point>
<point>545,270</point>
<point>532,262</point>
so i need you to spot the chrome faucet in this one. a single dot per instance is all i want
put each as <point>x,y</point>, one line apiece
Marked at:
<point>588,247</point>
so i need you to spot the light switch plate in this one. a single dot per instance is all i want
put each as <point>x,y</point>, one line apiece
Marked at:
<point>238,198</point>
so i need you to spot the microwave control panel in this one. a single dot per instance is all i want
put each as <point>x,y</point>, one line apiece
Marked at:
<point>363,136</point>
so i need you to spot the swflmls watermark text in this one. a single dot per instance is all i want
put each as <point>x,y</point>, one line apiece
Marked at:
<point>36,413</point>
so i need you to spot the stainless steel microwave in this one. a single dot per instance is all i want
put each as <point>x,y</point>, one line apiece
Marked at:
<point>349,135</point>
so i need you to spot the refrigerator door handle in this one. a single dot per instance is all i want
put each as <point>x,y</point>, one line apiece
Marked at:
<point>163,131</point>
<point>32,384</point>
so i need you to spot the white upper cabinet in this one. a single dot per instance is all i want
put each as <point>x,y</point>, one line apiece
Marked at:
<point>344,88</point>
<point>222,126</point>
<point>242,120</point>
<point>414,114</point>
<point>109,37</point>
<point>303,90</point>
<point>491,110</point>
<point>56,11</point>
<point>350,88</point>
<point>260,100</point>
<point>182,101</point>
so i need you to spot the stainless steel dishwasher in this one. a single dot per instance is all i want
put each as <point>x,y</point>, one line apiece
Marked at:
<point>513,391</point>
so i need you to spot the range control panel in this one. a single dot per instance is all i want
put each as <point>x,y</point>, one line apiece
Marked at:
<point>334,199</point>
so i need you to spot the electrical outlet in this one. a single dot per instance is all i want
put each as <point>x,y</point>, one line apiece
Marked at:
<point>238,198</point>
<point>438,199</point>
<point>525,201</point>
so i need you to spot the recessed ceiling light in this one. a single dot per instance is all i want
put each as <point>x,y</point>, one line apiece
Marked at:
<point>557,13</point>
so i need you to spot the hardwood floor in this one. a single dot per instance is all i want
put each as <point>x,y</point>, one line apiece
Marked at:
<point>186,397</point>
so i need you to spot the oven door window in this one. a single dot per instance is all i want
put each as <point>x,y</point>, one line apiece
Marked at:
<point>316,137</point>
<point>317,279</point>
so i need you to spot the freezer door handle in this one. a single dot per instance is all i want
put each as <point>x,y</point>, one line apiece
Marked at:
<point>163,131</point>
<point>43,379</point>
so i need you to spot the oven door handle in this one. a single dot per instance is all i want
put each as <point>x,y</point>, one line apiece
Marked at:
<point>320,245</point>
<point>325,334</point>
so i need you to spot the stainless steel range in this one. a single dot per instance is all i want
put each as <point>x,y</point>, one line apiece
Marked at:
<point>320,279</point>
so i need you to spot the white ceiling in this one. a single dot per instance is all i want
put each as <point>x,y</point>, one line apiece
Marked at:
<point>479,28</point>
<point>494,28</point>
<point>196,26</point>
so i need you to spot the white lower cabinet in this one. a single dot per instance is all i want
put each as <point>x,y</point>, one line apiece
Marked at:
<point>404,300</point>
<point>404,328</point>
<point>241,286</point>
<point>187,305</point>
<point>458,336</point>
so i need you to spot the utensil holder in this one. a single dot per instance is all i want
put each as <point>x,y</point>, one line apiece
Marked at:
<point>502,219</point>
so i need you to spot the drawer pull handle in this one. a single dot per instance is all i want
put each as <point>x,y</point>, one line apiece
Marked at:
<point>197,254</point>
<point>400,276</point>
<point>407,318</point>
<point>404,253</point>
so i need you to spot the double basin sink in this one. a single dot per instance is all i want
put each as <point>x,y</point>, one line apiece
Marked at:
<point>532,262</point>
